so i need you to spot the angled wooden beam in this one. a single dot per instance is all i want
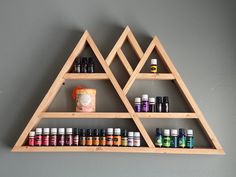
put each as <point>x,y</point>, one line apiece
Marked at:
<point>125,62</point>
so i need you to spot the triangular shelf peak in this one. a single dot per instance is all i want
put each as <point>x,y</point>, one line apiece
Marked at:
<point>134,73</point>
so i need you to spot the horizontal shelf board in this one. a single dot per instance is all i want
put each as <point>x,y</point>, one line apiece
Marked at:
<point>171,115</point>
<point>118,149</point>
<point>158,76</point>
<point>85,76</point>
<point>85,115</point>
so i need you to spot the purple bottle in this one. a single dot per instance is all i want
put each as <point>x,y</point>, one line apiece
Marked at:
<point>137,102</point>
<point>145,103</point>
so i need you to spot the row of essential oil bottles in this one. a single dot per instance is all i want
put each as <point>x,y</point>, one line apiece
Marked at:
<point>83,137</point>
<point>150,104</point>
<point>84,65</point>
<point>174,138</point>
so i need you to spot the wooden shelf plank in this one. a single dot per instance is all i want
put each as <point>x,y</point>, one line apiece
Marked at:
<point>105,115</point>
<point>169,115</point>
<point>85,76</point>
<point>118,149</point>
<point>159,76</point>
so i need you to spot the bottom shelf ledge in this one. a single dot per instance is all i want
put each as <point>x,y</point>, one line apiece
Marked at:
<point>118,149</point>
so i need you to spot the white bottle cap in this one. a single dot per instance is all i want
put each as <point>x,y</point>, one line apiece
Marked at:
<point>109,131</point>
<point>166,132</point>
<point>54,131</point>
<point>145,97</point>
<point>61,131</point>
<point>137,134</point>
<point>137,100</point>
<point>69,130</point>
<point>154,61</point>
<point>117,131</point>
<point>46,131</point>
<point>32,133</point>
<point>190,132</point>
<point>38,131</point>
<point>152,100</point>
<point>174,132</point>
<point>130,133</point>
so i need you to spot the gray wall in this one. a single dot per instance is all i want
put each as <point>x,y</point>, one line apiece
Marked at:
<point>36,38</point>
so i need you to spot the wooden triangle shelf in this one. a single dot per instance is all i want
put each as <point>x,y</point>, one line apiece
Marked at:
<point>41,112</point>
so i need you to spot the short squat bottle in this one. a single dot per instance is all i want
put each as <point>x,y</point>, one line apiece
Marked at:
<point>189,139</point>
<point>153,67</point>
<point>91,67</point>
<point>31,138</point>
<point>159,137</point>
<point>53,137</point>
<point>61,137</point>
<point>165,104</point>
<point>145,104</point>
<point>82,138</point>
<point>174,138</point>
<point>158,104</point>
<point>102,138</point>
<point>152,104</point>
<point>95,137</point>
<point>89,138</point>
<point>166,138</point>
<point>131,139</point>
<point>137,102</point>
<point>46,132</point>
<point>181,138</point>
<point>109,137</point>
<point>38,137</point>
<point>117,137</point>
<point>76,137</point>
<point>137,140</point>
<point>69,137</point>
<point>124,138</point>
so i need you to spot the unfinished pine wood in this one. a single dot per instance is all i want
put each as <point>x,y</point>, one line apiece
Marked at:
<point>41,112</point>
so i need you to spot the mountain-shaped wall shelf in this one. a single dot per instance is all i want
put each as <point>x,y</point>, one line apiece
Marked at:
<point>173,75</point>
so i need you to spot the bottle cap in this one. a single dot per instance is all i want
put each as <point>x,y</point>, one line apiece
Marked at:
<point>165,99</point>
<point>82,132</point>
<point>38,131</point>
<point>159,131</point>
<point>90,60</point>
<point>46,131</point>
<point>61,131</point>
<point>110,131</point>
<point>130,133</point>
<point>145,97</point>
<point>95,132</point>
<point>190,132</point>
<point>76,131</point>
<point>124,133</point>
<point>151,100</point>
<point>174,132</point>
<point>103,132</point>
<point>32,133</point>
<point>166,132</point>
<point>137,100</point>
<point>117,131</point>
<point>159,99</point>
<point>181,131</point>
<point>84,59</point>
<point>154,61</point>
<point>89,132</point>
<point>137,134</point>
<point>54,131</point>
<point>69,130</point>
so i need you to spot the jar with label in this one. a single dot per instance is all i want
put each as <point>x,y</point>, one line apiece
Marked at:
<point>131,139</point>
<point>137,102</point>
<point>158,140</point>
<point>109,137</point>
<point>77,65</point>
<point>153,67</point>
<point>61,137</point>
<point>189,139</point>
<point>102,138</point>
<point>174,138</point>
<point>53,137</point>
<point>117,137</point>
<point>124,138</point>
<point>96,137</point>
<point>75,136</point>
<point>38,137</point>
<point>137,139</point>
<point>89,138</point>
<point>145,104</point>
<point>181,138</point>
<point>46,136</point>
<point>82,138</point>
<point>152,105</point>
<point>31,138</point>
<point>69,136</point>
<point>166,138</point>
<point>158,104</point>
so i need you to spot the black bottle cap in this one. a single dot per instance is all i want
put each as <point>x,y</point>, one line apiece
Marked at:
<point>89,132</point>
<point>76,131</point>
<point>159,99</point>
<point>82,132</point>
<point>181,131</point>
<point>95,132</point>
<point>124,133</point>
<point>103,132</point>
<point>90,60</point>
<point>159,131</point>
<point>165,99</point>
<point>84,59</point>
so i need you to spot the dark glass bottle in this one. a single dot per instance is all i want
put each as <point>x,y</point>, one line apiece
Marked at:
<point>91,66</point>
<point>165,104</point>
<point>82,138</point>
<point>77,66</point>
<point>76,136</point>
<point>84,65</point>
<point>124,138</point>
<point>96,137</point>
<point>102,139</point>
<point>89,138</point>
<point>158,104</point>
<point>181,138</point>
<point>159,137</point>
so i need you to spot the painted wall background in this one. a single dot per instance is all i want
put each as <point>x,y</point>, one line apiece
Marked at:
<point>36,38</point>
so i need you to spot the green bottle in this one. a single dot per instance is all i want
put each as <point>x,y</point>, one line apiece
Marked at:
<point>189,139</point>
<point>181,138</point>
<point>158,140</point>
<point>166,138</point>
